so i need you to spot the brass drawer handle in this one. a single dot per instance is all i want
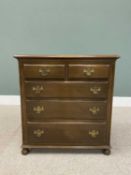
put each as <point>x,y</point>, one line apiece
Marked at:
<point>38,132</point>
<point>38,109</point>
<point>94,133</point>
<point>94,110</point>
<point>88,71</point>
<point>95,90</point>
<point>44,72</point>
<point>37,89</point>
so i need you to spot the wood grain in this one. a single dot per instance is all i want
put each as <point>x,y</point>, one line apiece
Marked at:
<point>58,95</point>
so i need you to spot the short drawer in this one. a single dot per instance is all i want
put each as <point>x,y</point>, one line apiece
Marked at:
<point>80,71</point>
<point>67,134</point>
<point>66,89</point>
<point>44,71</point>
<point>52,110</point>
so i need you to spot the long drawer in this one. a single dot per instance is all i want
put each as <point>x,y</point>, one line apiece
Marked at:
<point>67,134</point>
<point>66,89</point>
<point>52,110</point>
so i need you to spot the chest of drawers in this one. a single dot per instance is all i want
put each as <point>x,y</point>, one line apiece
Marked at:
<point>66,101</point>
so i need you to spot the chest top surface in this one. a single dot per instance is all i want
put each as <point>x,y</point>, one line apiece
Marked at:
<point>67,56</point>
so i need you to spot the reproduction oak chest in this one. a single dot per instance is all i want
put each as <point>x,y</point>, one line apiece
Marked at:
<point>66,101</point>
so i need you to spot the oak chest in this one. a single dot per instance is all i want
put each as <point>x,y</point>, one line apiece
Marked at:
<point>66,101</point>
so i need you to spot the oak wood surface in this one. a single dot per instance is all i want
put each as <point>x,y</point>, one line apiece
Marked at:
<point>67,134</point>
<point>86,71</point>
<point>44,71</point>
<point>65,56</point>
<point>58,93</point>
<point>66,89</point>
<point>51,110</point>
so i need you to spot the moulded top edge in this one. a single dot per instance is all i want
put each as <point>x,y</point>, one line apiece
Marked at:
<point>68,56</point>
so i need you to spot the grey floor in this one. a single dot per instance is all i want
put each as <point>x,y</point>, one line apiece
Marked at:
<point>64,163</point>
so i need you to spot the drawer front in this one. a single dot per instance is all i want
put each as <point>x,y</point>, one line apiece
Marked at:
<point>79,71</point>
<point>66,89</point>
<point>44,71</point>
<point>67,134</point>
<point>53,110</point>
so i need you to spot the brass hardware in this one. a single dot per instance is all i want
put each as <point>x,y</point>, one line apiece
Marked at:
<point>88,71</point>
<point>38,132</point>
<point>44,72</point>
<point>38,109</point>
<point>94,133</point>
<point>94,110</point>
<point>95,90</point>
<point>37,89</point>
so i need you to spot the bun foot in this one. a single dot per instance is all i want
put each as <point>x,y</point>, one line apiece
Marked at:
<point>25,151</point>
<point>106,151</point>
